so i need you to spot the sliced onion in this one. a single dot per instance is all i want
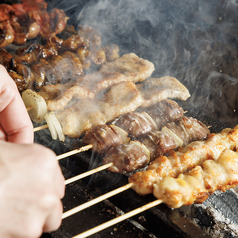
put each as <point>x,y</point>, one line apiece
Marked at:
<point>123,133</point>
<point>142,146</point>
<point>150,118</point>
<point>57,126</point>
<point>36,105</point>
<point>51,127</point>
<point>176,138</point>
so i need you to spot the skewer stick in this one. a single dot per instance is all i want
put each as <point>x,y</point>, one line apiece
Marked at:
<point>96,200</point>
<point>90,172</point>
<point>118,219</point>
<point>40,128</point>
<point>73,152</point>
<point>29,108</point>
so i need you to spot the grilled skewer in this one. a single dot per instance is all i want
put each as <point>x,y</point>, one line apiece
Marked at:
<point>184,159</point>
<point>129,157</point>
<point>122,98</point>
<point>194,186</point>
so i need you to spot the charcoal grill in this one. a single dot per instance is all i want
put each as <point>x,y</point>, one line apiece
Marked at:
<point>194,41</point>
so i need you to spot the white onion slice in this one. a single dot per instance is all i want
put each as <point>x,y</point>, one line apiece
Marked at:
<point>36,104</point>
<point>123,133</point>
<point>51,127</point>
<point>176,138</point>
<point>57,126</point>
<point>151,119</point>
<point>142,146</point>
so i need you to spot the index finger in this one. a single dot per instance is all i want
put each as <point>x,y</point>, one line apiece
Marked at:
<point>14,117</point>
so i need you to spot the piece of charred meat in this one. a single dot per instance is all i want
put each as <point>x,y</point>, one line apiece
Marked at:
<point>142,122</point>
<point>127,157</point>
<point>62,68</point>
<point>51,23</point>
<point>74,63</point>
<point>19,80</point>
<point>6,33</point>
<point>39,75</point>
<point>91,35</point>
<point>166,110</point>
<point>85,56</point>
<point>7,60</point>
<point>111,52</point>
<point>105,136</point>
<point>49,72</point>
<point>73,42</point>
<point>136,123</point>
<point>168,87</point>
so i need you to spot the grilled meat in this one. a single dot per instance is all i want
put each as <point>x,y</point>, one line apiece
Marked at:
<point>136,123</point>
<point>58,96</point>
<point>157,143</point>
<point>19,80</point>
<point>95,81</point>
<point>168,87</point>
<point>103,137</point>
<point>166,111</point>
<point>111,51</point>
<point>129,67</point>
<point>184,159</point>
<point>6,33</point>
<point>75,64</point>
<point>106,134</point>
<point>200,182</point>
<point>153,118</point>
<point>127,157</point>
<point>184,130</point>
<point>120,99</point>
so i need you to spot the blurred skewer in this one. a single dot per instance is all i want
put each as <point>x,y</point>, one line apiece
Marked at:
<point>96,200</point>
<point>119,219</point>
<point>73,152</point>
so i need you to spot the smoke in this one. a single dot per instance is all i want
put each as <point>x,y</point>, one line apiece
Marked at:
<point>194,41</point>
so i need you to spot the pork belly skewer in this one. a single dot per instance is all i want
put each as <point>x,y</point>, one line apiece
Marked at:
<point>135,124</point>
<point>122,98</point>
<point>184,159</point>
<point>102,137</point>
<point>135,155</point>
<point>194,186</point>
<point>129,157</point>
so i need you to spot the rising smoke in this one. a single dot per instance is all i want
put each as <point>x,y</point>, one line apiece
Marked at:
<point>194,41</point>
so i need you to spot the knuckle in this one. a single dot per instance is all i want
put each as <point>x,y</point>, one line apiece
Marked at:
<point>46,157</point>
<point>32,229</point>
<point>49,201</point>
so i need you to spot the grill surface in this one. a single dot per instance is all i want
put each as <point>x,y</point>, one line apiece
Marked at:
<point>194,41</point>
<point>214,217</point>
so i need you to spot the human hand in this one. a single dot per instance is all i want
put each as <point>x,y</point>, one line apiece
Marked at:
<point>15,123</point>
<point>31,186</point>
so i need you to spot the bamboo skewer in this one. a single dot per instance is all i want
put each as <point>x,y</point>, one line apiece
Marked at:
<point>119,219</point>
<point>73,152</point>
<point>90,172</point>
<point>96,200</point>
<point>40,128</point>
<point>29,108</point>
